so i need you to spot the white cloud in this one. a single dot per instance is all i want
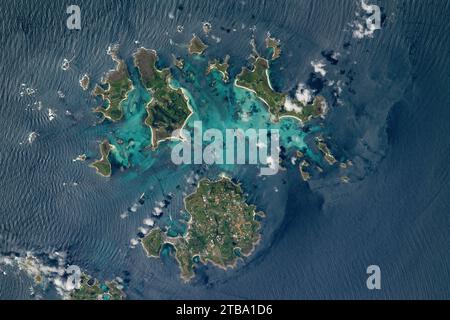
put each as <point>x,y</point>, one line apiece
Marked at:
<point>51,114</point>
<point>364,28</point>
<point>42,273</point>
<point>149,222</point>
<point>319,67</point>
<point>32,136</point>
<point>303,94</point>
<point>143,230</point>
<point>289,105</point>
<point>157,211</point>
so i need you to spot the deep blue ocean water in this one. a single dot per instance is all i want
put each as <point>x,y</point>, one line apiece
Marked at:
<point>318,238</point>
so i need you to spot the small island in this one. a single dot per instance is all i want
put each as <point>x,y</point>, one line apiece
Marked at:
<point>118,85</point>
<point>178,62</point>
<point>103,166</point>
<point>196,46</point>
<point>92,289</point>
<point>153,243</point>
<point>222,68</point>
<point>275,47</point>
<point>84,81</point>
<point>306,176</point>
<point>322,146</point>
<point>222,228</point>
<point>168,108</point>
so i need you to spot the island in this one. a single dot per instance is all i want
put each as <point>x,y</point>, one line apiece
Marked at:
<point>279,104</point>
<point>84,81</point>
<point>82,157</point>
<point>257,81</point>
<point>274,45</point>
<point>306,176</point>
<point>178,62</point>
<point>222,228</point>
<point>103,166</point>
<point>322,146</point>
<point>207,27</point>
<point>92,289</point>
<point>169,108</point>
<point>196,46</point>
<point>114,91</point>
<point>153,242</point>
<point>345,179</point>
<point>222,68</point>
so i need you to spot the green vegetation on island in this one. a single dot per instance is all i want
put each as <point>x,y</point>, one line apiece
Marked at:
<point>92,289</point>
<point>296,109</point>
<point>222,226</point>
<point>103,166</point>
<point>279,104</point>
<point>153,242</point>
<point>257,80</point>
<point>221,230</point>
<point>220,67</point>
<point>322,146</point>
<point>196,46</point>
<point>168,108</point>
<point>118,84</point>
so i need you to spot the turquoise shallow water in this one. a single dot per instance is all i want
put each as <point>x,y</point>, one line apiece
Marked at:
<point>134,135</point>
<point>216,104</point>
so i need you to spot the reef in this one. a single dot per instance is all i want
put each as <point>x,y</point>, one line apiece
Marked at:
<point>153,242</point>
<point>306,176</point>
<point>178,62</point>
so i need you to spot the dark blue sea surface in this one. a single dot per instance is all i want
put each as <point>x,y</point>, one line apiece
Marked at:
<point>390,117</point>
